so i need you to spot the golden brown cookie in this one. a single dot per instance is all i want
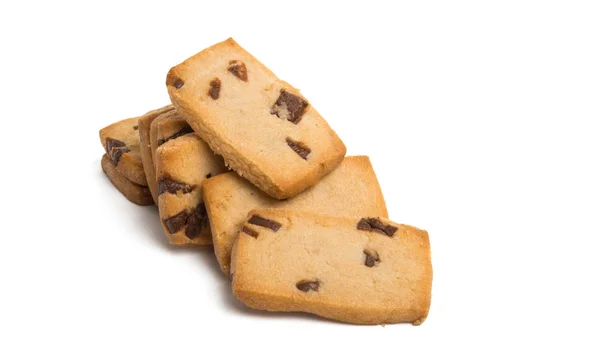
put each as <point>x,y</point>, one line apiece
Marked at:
<point>361,270</point>
<point>182,164</point>
<point>133,192</point>
<point>165,127</point>
<point>121,142</point>
<point>351,189</point>
<point>145,149</point>
<point>263,127</point>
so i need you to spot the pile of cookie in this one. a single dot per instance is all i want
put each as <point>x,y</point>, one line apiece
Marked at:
<point>242,161</point>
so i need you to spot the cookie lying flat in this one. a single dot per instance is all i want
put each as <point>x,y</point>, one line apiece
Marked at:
<point>352,269</point>
<point>144,130</point>
<point>181,165</point>
<point>264,128</point>
<point>122,144</point>
<point>351,189</point>
<point>133,192</point>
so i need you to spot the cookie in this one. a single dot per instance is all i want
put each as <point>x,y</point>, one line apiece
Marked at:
<point>144,131</point>
<point>360,270</point>
<point>263,127</point>
<point>182,164</point>
<point>351,189</point>
<point>165,127</point>
<point>135,193</point>
<point>122,144</point>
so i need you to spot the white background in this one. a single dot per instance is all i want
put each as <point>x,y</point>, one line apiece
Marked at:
<point>480,118</point>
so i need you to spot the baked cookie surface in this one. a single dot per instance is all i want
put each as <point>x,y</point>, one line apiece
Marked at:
<point>135,193</point>
<point>182,164</point>
<point>360,270</point>
<point>145,148</point>
<point>165,127</point>
<point>121,141</point>
<point>263,127</point>
<point>351,189</point>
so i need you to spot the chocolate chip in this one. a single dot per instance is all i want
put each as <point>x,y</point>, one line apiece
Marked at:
<point>238,68</point>
<point>307,285</point>
<point>115,149</point>
<point>178,83</point>
<point>116,154</point>
<point>263,222</point>
<point>175,223</point>
<point>171,186</point>
<point>251,232</point>
<point>208,176</point>
<point>113,143</point>
<point>215,88</point>
<point>374,224</point>
<point>300,148</point>
<point>371,257</point>
<point>135,128</point>
<point>194,226</point>
<point>196,222</point>
<point>289,106</point>
<point>185,130</point>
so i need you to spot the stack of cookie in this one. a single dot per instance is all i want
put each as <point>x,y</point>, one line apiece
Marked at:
<point>296,225</point>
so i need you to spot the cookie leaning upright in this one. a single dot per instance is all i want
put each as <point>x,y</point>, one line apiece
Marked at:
<point>263,127</point>
<point>144,124</point>
<point>182,164</point>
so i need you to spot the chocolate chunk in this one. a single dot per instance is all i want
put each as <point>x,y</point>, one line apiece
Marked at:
<point>215,88</point>
<point>289,106</point>
<point>251,232</point>
<point>113,143</point>
<point>135,128</point>
<point>371,258</point>
<point>185,130</point>
<point>238,68</point>
<point>300,148</point>
<point>194,226</point>
<point>171,186</point>
<point>196,222</point>
<point>201,209</point>
<point>306,285</point>
<point>178,83</point>
<point>208,176</point>
<point>116,154</point>
<point>115,149</point>
<point>374,224</point>
<point>175,223</point>
<point>263,222</point>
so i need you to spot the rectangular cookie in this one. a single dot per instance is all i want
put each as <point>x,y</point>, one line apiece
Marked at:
<point>144,130</point>
<point>135,193</point>
<point>165,127</point>
<point>263,127</point>
<point>351,189</point>
<point>182,164</point>
<point>121,142</point>
<point>360,270</point>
